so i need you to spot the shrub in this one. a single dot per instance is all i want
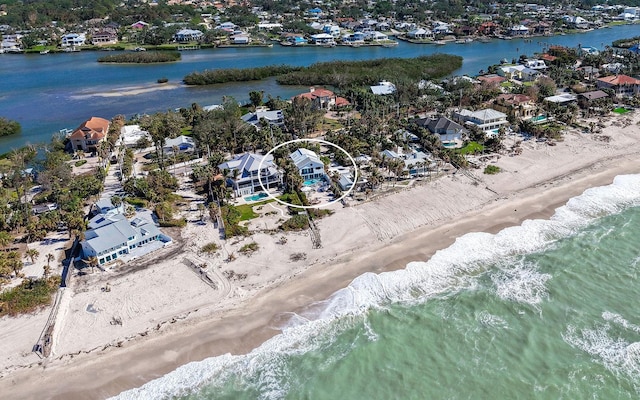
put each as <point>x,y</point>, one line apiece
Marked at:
<point>180,222</point>
<point>80,163</point>
<point>141,57</point>
<point>296,223</point>
<point>491,169</point>
<point>28,296</point>
<point>249,248</point>
<point>210,248</point>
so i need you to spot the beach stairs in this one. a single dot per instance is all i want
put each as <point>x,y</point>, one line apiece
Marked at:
<point>314,232</point>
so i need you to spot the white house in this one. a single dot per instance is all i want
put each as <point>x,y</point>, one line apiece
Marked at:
<point>111,236</point>
<point>184,144</point>
<point>376,36</point>
<point>323,39</point>
<point>535,64</point>
<point>245,181</point>
<point>241,39</point>
<point>73,39</point>
<point>420,33</point>
<point>518,30</point>
<point>273,118</point>
<point>308,164</point>
<point>488,120</point>
<point>131,134</point>
<point>332,30</point>
<point>187,35</point>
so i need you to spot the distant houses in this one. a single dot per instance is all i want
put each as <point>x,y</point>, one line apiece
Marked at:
<point>244,174</point>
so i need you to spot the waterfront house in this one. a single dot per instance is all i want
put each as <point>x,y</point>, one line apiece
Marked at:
<point>130,136</point>
<point>73,39</point>
<point>420,34</point>
<point>244,175</point>
<point>272,118</point>
<point>518,30</point>
<point>535,63</point>
<point>332,30</point>
<point>182,144</point>
<point>488,120</point>
<point>488,28</point>
<point>376,36</point>
<point>517,105</point>
<point>441,28</point>
<point>575,22</point>
<point>187,35</point>
<point>104,37</point>
<point>241,39</point>
<point>415,162</point>
<point>323,99</point>
<point>323,39</point>
<point>383,88</point>
<point>308,164</point>
<point>111,236</point>
<point>622,85</point>
<point>297,40</point>
<point>450,133</point>
<point>89,134</point>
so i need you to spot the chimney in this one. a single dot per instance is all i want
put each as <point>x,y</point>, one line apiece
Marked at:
<point>312,89</point>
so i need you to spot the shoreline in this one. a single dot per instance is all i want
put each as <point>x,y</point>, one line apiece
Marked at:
<point>101,374</point>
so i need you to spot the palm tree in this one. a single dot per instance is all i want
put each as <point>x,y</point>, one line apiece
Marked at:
<point>5,238</point>
<point>91,262</point>
<point>14,262</point>
<point>32,254</point>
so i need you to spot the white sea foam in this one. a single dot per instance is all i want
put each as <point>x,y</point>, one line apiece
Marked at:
<point>448,271</point>
<point>520,282</point>
<point>616,354</point>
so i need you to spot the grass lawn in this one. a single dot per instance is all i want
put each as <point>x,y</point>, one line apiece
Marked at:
<point>246,210</point>
<point>471,148</point>
<point>620,110</point>
<point>331,124</point>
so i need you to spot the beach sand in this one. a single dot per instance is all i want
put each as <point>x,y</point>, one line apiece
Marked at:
<point>171,317</point>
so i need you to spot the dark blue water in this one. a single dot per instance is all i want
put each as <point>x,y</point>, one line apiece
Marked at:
<point>46,93</point>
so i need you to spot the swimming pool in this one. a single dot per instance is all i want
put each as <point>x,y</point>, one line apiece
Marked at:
<point>256,197</point>
<point>311,182</point>
<point>538,118</point>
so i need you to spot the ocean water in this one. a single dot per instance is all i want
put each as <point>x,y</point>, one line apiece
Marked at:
<point>545,310</point>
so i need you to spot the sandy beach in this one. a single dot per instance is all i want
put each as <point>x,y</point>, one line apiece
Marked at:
<point>169,316</point>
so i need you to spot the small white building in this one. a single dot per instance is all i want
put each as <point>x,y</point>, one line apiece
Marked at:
<point>130,135</point>
<point>188,35</point>
<point>383,88</point>
<point>308,164</point>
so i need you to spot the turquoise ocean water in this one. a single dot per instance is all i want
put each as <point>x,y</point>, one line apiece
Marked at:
<point>545,310</point>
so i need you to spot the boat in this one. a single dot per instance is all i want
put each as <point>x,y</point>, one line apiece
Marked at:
<point>460,41</point>
<point>440,42</point>
<point>390,44</point>
<point>71,50</point>
<point>468,40</point>
<point>44,51</point>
